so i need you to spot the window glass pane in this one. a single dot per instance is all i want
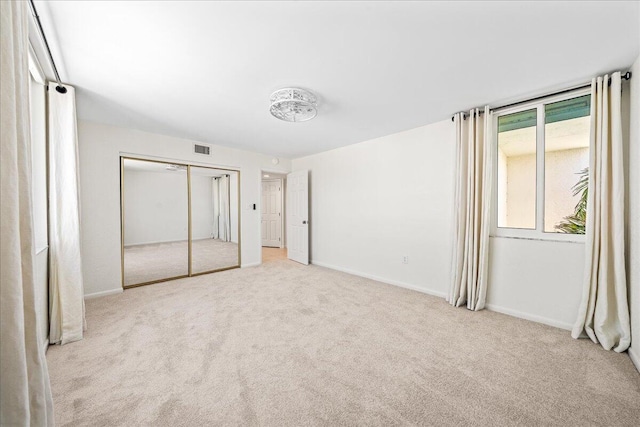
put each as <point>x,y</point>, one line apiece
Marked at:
<point>38,163</point>
<point>517,170</point>
<point>566,162</point>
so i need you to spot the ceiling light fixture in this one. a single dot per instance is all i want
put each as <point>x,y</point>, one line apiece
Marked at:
<point>174,168</point>
<point>293,105</point>
<point>265,176</point>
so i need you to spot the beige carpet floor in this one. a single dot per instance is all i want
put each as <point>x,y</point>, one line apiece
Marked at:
<point>287,345</point>
<point>146,263</point>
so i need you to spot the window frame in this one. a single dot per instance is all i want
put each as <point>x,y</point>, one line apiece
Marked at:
<point>525,233</point>
<point>37,75</point>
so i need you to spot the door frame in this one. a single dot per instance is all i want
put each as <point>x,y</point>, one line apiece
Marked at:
<point>305,260</point>
<point>282,213</point>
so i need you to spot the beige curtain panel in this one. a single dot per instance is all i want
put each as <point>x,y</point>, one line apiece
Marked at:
<point>25,394</point>
<point>66,289</point>
<point>472,210</point>
<point>604,312</point>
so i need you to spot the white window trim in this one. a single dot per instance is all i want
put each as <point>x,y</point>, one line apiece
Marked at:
<point>538,233</point>
<point>35,68</point>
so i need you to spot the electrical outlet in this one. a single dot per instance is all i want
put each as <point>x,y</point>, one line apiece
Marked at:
<point>405,259</point>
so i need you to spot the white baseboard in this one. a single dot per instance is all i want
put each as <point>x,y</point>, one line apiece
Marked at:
<point>531,317</point>
<point>381,279</point>
<point>491,307</point>
<point>250,264</point>
<point>634,358</point>
<point>129,245</point>
<point>156,242</point>
<point>103,293</point>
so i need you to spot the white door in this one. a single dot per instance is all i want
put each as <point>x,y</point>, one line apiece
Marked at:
<point>272,213</point>
<point>298,216</point>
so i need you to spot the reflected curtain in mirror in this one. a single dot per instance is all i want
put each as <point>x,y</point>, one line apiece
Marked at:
<point>223,208</point>
<point>214,219</point>
<point>215,186</point>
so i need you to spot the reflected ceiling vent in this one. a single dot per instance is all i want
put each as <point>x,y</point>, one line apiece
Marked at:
<point>202,149</point>
<point>174,168</point>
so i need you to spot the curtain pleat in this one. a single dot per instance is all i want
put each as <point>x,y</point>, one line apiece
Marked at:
<point>25,394</point>
<point>472,207</point>
<point>225,214</point>
<point>604,312</point>
<point>215,188</point>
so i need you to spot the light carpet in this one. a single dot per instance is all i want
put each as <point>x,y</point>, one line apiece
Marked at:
<point>157,261</point>
<point>287,345</point>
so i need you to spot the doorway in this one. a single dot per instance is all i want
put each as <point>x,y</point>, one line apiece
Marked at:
<point>272,216</point>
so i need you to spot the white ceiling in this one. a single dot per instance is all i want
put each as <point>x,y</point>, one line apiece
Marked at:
<point>205,70</point>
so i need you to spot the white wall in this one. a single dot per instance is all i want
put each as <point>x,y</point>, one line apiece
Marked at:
<point>100,148</point>
<point>536,280</point>
<point>633,240</point>
<point>156,207</point>
<point>374,202</point>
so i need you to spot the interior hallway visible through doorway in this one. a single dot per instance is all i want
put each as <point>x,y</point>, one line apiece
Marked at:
<point>273,254</point>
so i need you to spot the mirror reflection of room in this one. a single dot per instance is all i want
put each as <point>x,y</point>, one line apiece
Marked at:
<point>155,221</point>
<point>215,219</point>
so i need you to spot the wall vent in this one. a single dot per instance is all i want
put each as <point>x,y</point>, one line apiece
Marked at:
<point>202,149</point>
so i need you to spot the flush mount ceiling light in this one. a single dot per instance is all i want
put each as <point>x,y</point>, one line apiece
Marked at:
<point>293,105</point>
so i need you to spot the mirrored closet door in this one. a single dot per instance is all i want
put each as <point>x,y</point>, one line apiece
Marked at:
<point>177,220</point>
<point>214,220</point>
<point>155,221</point>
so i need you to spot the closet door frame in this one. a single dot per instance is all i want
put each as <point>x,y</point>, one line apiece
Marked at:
<point>189,221</point>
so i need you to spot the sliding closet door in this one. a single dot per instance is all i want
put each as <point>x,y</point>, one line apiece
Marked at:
<point>215,219</point>
<point>155,221</point>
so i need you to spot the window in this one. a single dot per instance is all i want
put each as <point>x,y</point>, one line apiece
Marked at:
<point>37,110</point>
<point>542,168</point>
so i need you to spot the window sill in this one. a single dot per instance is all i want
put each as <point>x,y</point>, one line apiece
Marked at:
<point>568,239</point>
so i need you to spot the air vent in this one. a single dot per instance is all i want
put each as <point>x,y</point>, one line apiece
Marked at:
<point>202,149</point>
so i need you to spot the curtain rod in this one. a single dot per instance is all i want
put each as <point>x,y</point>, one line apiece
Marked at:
<point>60,88</point>
<point>625,76</point>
